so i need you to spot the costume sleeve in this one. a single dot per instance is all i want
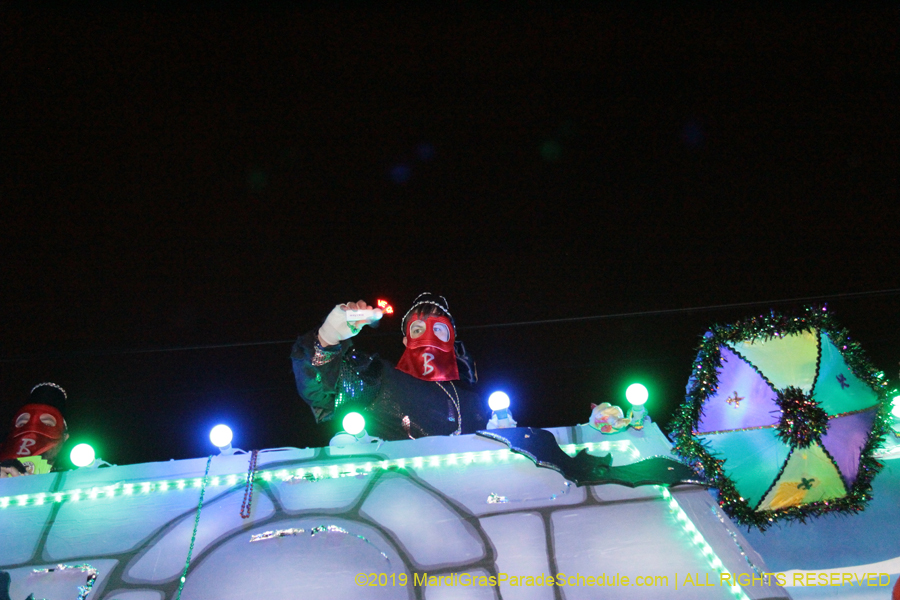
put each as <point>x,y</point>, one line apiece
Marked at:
<point>317,374</point>
<point>335,377</point>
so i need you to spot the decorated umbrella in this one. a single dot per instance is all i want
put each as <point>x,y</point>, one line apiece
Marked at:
<point>783,413</point>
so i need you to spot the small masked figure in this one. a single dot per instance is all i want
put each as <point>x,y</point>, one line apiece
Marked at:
<point>38,433</point>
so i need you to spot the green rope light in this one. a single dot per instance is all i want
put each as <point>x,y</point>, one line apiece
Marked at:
<point>698,540</point>
<point>313,473</point>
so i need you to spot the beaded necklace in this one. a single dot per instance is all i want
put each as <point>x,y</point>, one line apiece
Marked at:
<point>455,402</point>
<point>187,562</point>
<point>248,491</point>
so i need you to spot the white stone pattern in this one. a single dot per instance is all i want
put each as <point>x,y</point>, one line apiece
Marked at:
<point>428,514</point>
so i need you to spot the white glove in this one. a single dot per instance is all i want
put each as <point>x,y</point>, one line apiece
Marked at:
<point>337,328</point>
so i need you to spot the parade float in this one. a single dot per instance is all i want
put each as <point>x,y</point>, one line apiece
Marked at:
<point>777,408</point>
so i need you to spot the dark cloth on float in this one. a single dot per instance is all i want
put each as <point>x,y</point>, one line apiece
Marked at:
<point>353,380</point>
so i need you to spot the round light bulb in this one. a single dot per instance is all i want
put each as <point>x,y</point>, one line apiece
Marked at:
<point>220,436</point>
<point>354,423</point>
<point>636,394</point>
<point>895,407</point>
<point>498,401</point>
<point>82,455</point>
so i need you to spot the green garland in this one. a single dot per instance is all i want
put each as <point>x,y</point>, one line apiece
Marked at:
<point>704,383</point>
<point>803,422</point>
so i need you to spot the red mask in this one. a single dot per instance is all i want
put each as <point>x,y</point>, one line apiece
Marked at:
<point>429,354</point>
<point>37,428</point>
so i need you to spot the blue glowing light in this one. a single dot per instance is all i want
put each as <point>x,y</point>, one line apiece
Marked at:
<point>498,401</point>
<point>221,436</point>
<point>401,173</point>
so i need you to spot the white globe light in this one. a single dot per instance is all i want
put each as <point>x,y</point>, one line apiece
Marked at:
<point>498,401</point>
<point>636,394</point>
<point>895,407</point>
<point>82,455</point>
<point>353,423</point>
<point>220,436</point>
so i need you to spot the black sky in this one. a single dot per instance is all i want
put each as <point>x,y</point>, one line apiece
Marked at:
<point>203,177</point>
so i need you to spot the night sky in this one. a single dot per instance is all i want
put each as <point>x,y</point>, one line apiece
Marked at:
<point>185,191</point>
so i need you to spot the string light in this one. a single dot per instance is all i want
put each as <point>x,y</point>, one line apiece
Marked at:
<point>698,540</point>
<point>314,473</point>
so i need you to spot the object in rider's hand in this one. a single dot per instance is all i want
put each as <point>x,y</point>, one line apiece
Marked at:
<point>371,315</point>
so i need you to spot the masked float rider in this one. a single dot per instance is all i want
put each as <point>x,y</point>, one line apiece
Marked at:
<point>421,396</point>
<point>38,433</point>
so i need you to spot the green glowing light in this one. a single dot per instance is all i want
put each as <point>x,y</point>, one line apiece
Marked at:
<point>636,394</point>
<point>353,423</point>
<point>82,455</point>
<point>551,151</point>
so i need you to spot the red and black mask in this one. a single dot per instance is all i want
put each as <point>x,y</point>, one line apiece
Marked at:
<point>430,353</point>
<point>37,429</point>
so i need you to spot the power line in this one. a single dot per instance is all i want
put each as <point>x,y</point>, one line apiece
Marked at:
<point>672,311</point>
<point>644,313</point>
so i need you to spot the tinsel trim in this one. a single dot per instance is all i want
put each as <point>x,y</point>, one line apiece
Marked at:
<point>704,383</point>
<point>812,390</point>
<point>794,430</point>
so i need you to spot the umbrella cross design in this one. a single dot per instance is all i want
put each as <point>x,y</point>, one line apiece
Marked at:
<point>783,413</point>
